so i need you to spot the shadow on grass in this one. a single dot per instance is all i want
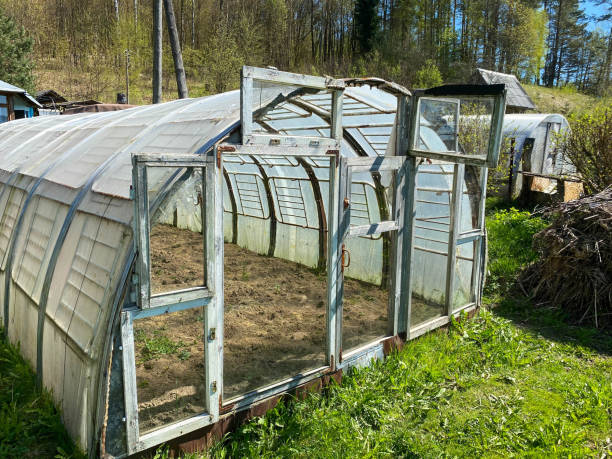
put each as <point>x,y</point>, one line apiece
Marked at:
<point>552,323</point>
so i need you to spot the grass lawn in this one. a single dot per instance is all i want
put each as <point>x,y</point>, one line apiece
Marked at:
<point>514,381</point>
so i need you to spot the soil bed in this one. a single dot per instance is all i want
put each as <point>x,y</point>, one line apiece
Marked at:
<point>274,325</point>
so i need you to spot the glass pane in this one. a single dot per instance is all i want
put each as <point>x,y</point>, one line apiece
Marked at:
<point>3,114</point>
<point>365,302</point>
<point>3,99</point>
<point>464,289</point>
<point>475,126</point>
<point>176,240</point>
<point>470,199</point>
<point>170,370</point>
<point>366,279</point>
<point>281,109</point>
<point>439,130</point>
<point>275,284</point>
<point>431,234</point>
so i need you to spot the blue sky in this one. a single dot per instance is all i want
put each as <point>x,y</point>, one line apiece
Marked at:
<point>592,10</point>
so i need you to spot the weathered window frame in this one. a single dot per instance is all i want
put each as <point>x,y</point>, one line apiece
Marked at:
<point>496,92</point>
<point>210,299</point>
<point>142,226</point>
<point>321,144</point>
<point>456,237</point>
<point>394,226</point>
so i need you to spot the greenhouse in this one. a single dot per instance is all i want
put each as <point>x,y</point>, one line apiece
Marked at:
<point>170,269</point>
<point>533,139</point>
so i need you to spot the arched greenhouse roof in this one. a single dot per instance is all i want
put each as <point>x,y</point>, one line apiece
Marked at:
<point>65,219</point>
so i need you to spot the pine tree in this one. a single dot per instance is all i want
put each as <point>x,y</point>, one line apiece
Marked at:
<point>366,24</point>
<point>15,54</point>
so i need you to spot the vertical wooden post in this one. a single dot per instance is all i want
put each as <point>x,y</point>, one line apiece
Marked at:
<point>175,44</point>
<point>157,51</point>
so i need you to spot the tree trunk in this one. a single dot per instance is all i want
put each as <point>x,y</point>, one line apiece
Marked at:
<point>157,51</point>
<point>179,69</point>
<point>116,2</point>
<point>193,23</point>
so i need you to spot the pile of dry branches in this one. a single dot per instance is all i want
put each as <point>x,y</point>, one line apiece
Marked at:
<point>574,271</point>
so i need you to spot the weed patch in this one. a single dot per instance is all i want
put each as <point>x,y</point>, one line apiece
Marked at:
<point>30,425</point>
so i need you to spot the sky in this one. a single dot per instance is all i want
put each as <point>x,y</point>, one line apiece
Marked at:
<point>591,9</point>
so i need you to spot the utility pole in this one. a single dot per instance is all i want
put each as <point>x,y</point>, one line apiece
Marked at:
<point>127,76</point>
<point>179,69</point>
<point>157,51</point>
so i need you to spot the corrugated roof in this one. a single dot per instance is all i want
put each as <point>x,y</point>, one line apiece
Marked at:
<point>7,87</point>
<point>516,96</point>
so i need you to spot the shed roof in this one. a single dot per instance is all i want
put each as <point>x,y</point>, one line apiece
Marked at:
<point>516,97</point>
<point>7,87</point>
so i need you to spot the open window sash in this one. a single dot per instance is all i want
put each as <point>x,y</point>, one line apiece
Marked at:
<point>458,123</point>
<point>264,90</point>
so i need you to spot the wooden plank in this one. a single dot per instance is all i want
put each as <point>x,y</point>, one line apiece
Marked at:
<point>344,220</point>
<point>166,309</point>
<point>495,136</point>
<point>171,432</point>
<point>333,348</point>
<point>246,104</point>
<point>410,108</point>
<point>455,218</point>
<point>277,76</point>
<point>280,140</point>
<point>375,228</point>
<point>474,160</point>
<point>181,296</point>
<point>245,400</point>
<point>160,159</point>
<point>141,222</point>
<point>336,116</point>
<point>213,317</point>
<point>376,163</point>
<point>273,150</point>
<point>397,265</point>
<point>129,381</point>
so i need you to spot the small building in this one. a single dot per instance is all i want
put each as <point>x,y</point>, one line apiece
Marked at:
<point>49,99</point>
<point>517,99</point>
<point>15,103</point>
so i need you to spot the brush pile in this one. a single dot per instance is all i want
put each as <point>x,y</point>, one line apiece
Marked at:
<point>574,271</point>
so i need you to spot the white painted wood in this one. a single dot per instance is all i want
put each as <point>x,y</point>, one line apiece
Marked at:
<point>129,381</point>
<point>277,76</point>
<point>375,228</point>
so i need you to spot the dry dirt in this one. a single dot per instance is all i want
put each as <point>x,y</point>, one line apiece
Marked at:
<point>274,325</point>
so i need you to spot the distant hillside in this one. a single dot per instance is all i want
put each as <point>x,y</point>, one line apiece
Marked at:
<point>563,100</point>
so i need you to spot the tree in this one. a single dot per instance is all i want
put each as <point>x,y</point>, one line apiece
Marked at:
<point>366,24</point>
<point>15,54</point>
<point>588,146</point>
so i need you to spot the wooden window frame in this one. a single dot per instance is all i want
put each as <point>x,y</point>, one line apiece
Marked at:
<point>8,105</point>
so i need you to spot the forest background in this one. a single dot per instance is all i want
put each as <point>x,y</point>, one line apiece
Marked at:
<point>80,48</point>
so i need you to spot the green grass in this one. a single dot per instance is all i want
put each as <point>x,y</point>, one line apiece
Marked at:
<point>514,381</point>
<point>566,101</point>
<point>30,425</point>
<point>158,344</point>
